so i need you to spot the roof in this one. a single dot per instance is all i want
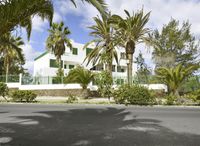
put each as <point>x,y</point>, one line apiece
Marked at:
<point>40,56</point>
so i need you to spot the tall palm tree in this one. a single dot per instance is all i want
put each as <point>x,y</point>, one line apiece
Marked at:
<point>57,40</point>
<point>105,50</point>
<point>12,51</point>
<point>129,32</point>
<point>174,77</point>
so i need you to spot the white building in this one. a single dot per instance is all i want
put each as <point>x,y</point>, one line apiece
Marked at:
<point>45,65</point>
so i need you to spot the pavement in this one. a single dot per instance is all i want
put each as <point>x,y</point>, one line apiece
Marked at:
<point>98,125</point>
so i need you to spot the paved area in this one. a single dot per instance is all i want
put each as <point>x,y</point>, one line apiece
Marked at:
<point>92,125</point>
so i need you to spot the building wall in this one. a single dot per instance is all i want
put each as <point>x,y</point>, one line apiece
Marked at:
<point>42,65</point>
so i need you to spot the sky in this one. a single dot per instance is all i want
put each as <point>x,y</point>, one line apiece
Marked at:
<point>79,19</point>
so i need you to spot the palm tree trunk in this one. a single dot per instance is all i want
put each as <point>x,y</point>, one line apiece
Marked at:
<point>130,69</point>
<point>7,71</point>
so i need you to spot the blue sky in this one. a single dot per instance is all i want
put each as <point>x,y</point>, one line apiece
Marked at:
<point>78,19</point>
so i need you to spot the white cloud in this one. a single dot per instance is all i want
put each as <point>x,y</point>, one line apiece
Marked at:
<point>57,17</point>
<point>30,55</point>
<point>39,24</point>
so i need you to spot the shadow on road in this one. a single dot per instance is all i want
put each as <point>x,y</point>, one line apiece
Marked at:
<point>84,127</point>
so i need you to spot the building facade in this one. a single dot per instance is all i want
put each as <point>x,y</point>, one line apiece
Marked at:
<point>45,65</point>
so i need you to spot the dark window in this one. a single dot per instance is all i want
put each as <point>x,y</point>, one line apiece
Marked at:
<point>120,69</point>
<point>123,55</point>
<point>75,51</point>
<point>65,66</point>
<point>88,50</point>
<point>71,66</point>
<point>113,68</point>
<point>54,63</point>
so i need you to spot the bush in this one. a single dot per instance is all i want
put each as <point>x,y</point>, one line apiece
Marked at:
<point>135,94</point>
<point>23,96</point>
<point>72,99</point>
<point>170,99</point>
<point>3,90</point>
<point>104,83</point>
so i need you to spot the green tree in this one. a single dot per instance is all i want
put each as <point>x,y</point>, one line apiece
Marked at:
<point>104,83</point>
<point>105,50</point>
<point>57,39</point>
<point>174,44</point>
<point>143,72</point>
<point>129,32</point>
<point>175,77</point>
<point>12,52</point>
<point>80,76</point>
<point>3,90</point>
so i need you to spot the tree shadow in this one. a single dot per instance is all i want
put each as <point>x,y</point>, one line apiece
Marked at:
<point>85,127</point>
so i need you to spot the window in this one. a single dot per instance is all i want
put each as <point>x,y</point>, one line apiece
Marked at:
<point>123,55</point>
<point>75,51</point>
<point>113,68</point>
<point>54,63</point>
<point>71,66</point>
<point>65,66</point>
<point>120,69</point>
<point>88,50</point>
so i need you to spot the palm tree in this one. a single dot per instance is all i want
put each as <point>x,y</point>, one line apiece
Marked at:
<point>174,77</point>
<point>12,51</point>
<point>105,51</point>
<point>81,76</point>
<point>129,32</point>
<point>20,12</point>
<point>57,40</point>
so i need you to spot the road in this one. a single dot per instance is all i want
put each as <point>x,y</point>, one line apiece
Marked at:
<point>93,125</point>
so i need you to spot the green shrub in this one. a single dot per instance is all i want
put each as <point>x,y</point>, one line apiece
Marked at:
<point>170,99</point>
<point>3,90</point>
<point>135,94</point>
<point>104,83</point>
<point>23,96</point>
<point>72,99</point>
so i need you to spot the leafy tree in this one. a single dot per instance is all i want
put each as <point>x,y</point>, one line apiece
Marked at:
<point>59,76</point>
<point>105,51</point>
<point>11,52</point>
<point>57,40</point>
<point>3,90</point>
<point>129,32</point>
<point>143,72</point>
<point>104,83</point>
<point>175,44</point>
<point>81,76</point>
<point>174,77</point>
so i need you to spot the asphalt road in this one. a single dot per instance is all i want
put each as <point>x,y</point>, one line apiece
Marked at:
<point>85,125</point>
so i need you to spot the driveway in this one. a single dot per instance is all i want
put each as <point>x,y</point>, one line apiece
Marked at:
<point>92,125</point>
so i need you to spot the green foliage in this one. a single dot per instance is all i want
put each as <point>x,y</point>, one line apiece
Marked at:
<point>59,76</point>
<point>3,90</point>
<point>72,99</point>
<point>174,44</point>
<point>23,96</point>
<point>57,40</point>
<point>170,99</point>
<point>104,83</point>
<point>130,31</point>
<point>105,49</point>
<point>79,75</point>
<point>143,72</point>
<point>19,13</point>
<point>133,94</point>
<point>174,77</point>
